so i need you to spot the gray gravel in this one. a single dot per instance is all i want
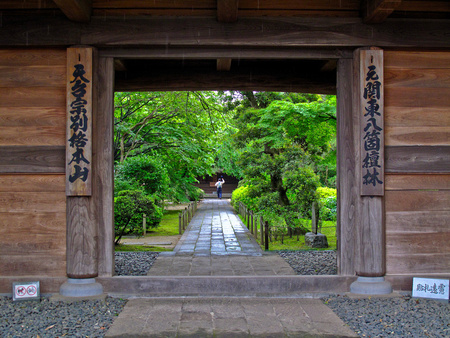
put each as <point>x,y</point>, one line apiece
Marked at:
<point>46,318</point>
<point>393,317</point>
<point>371,317</point>
<point>311,262</point>
<point>134,263</point>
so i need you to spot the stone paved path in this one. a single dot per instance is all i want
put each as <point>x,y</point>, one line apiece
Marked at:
<point>216,230</point>
<point>217,243</point>
<point>228,317</point>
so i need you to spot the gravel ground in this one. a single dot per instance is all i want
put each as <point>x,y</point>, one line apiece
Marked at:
<point>311,262</point>
<point>134,263</point>
<point>370,317</point>
<point>393,317</point>
<point>57,319</point>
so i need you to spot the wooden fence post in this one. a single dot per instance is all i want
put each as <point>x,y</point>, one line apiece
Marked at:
<point>144,224</point>
<point>266,235</point>
<point>261,223</point>
<point>180,225</point>
<point>251,222</point>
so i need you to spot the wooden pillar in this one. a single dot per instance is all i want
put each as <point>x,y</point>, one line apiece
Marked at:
<point>82,231</point>
<point>347,187</point>
<point>370,108</point>
<point>360,232</point>
<point>103,157</point>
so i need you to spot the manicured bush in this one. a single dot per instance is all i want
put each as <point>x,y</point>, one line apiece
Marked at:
<point>327,203</point>
<point>129,207</point>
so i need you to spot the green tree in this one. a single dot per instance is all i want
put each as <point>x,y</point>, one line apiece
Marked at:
<point>129,208</point>
<point>283,145</point>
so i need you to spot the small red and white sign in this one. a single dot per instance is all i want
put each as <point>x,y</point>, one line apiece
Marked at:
<point>25,290</point>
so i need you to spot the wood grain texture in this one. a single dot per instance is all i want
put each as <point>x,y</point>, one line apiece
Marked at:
<point>417,159</point>
<point>76,10</point>
<point>103,159</point>
<point>417,201</point>
<point>33,116</point>
<point>428,78</point>
<point>32,76</point>
<point>348,190</point>
<point>82,237</point>
<point>261,31</point>
<point>416,59</point>
<point>233,52</point>
<point>32,265</point>
<point>421,116</point>
<point>372,240</point>
<point>47,224</point>
<point>371,60</point>
<point>32,97</point>
<point>79,121</point>
<point>32,202</point>
<point>32,136</point>
<point>32,57</point>
<point>227,10</point>
<point>417,182</point>
<point>399,222</point>
<point>417,97</point>
<point>32,183</point>
<point>32,159</point>
<point>417,136</point>
<point>418,243</point>
<point>414,264</point>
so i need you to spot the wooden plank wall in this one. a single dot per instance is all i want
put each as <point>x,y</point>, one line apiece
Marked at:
<point>32,168</point>
<point>417,196</point>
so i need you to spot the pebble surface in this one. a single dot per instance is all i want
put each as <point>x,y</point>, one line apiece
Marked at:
<point>368,317</point>
<point>47,318</point>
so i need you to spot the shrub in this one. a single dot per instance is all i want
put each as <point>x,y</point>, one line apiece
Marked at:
<point>327,203</point>
<point>129,207</point>
<point>146,172</point>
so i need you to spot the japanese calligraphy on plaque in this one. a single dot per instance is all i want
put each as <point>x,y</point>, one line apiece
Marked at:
<point>79,122</point>
<point>372,123</point>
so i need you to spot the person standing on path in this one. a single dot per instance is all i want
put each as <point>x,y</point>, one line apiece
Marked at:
<point>219,185</point>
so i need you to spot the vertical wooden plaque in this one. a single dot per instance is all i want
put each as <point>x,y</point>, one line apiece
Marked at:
<point>371,93</point>
<point>79,122</point>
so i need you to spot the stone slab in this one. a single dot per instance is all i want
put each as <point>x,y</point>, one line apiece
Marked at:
<point>227,317</point>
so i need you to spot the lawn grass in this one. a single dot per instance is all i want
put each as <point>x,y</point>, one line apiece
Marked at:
<point>138,248</point>
<point>167,227</point>
<point>328,229</point>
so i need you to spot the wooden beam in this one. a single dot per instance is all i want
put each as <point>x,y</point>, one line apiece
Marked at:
<point>76,10</point>
<point>119,65</point>
<point>203,32</point>
<point>227,10</point>
<point>32,159</point>
<point>329,66</point>
<point>377,11</point>
<point>224,65</point>
<point>193,80</point>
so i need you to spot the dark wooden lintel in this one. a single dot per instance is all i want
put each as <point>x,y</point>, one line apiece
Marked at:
<point>226,52</point>
<point>377,11</point>
<point>213,80</point>
<point>223,65</point>
<point>76,10</point>
<point>227,10</point>
<point>274,32</point>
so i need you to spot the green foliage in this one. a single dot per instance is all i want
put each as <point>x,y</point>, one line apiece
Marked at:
<point>328,203</point>
<point>143,172</point>
<point>129,207</point>
<point>285,147</point>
